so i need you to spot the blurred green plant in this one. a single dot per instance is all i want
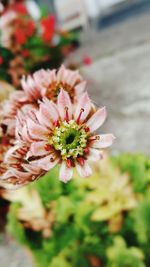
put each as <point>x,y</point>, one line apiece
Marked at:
<point>102,221</point>
<point>119,255</point>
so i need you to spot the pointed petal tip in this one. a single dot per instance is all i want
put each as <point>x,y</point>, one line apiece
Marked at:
<point>65,174</point>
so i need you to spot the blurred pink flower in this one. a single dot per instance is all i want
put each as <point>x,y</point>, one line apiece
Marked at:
<point>43,83</point>
<point>49,82</point>
<point>16,170</point>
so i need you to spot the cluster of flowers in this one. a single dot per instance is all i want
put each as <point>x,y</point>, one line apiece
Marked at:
<point>51,121</point>
<point>32,43</point>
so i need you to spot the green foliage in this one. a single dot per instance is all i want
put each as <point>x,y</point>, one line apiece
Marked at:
<point>141,218</point>
<point>49,187</point>
<point>119,255</point>
<point>76,238</point>
<point>138,166</point>
<point>14,226</point>
<point>6,57</point>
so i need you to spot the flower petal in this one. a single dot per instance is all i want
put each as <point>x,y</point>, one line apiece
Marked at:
<point>60,73</point>
<point>64,102</point>
<point>95,154</point>
<point>65,173</point>
<point>36,131</point>
<point>73,77</point>
<point>97,119</point>
<point>46,163</point>
<point>85,170</point>
<point>105,140</point>
<point>50,109</point>
<point>31,169</point>
<point>80,88</point>
<point>38,149</point>
<point>85,104</point>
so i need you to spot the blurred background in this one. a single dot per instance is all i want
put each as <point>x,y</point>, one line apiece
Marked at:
<point>113,53</point>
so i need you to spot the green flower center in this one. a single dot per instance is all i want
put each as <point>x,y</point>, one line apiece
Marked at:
<point>69,139</point>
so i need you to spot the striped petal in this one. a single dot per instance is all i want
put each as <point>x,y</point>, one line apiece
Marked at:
<point>80,88</point>
<point>65,173</point>
<point>64,102</point>
<point>105,140</point>
<point>60,73</point>
<point>50,109</point>
<point>97,119</point>
<point>36,131</point>
<point>38,149</point>
<point>85,104</point>
<point>85,170</point>
<point>46,163</point>
<point>95,154</point>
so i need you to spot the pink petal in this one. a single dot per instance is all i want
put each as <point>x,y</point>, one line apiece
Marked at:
<point>95,154</point>
<point>52,74</point>
<point>60,73</point>
<point>73,77</point>
<point>18,174</point>
<point>65,173</point>
<point>27,85</point>
<point>105,140</point>
<point>44,116</point>
<point>31,169</point>
<point>38,149</point>
<point>85,170</point>
<point>25,134</point>
<point>97,119</point>
<point>48,112</point>
<point>46,163</point>
<point>80,88</point>
<point>85,104</point>
<point>9,156</point>
<point>42,78</point>
<point>37,131</point>
<point>64,102</point>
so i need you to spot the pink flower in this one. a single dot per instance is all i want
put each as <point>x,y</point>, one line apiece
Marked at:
<point>43,83</point>
<point>9,109</point>
<point>49,82</point>
<point>15,170</point>
<point>64,133</point>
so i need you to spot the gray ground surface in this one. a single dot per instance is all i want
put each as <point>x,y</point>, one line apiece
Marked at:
<point>11,255</point>
<point>122,83</point>
<point>120,79</point>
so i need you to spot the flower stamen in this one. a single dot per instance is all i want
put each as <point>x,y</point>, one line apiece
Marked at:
<point>69,163</point>
<point>80,114</point>
<point>80,160</point>
<point>48,147</point>
<point>67,114</point>
<point>97,137</point>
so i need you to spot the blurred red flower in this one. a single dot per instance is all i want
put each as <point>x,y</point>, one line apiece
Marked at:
<point>48,27</point>
<point>1,60</point>
<point>20,36</point>
<point>20,8</point>
<point>25,53</point>
<point>30,28</point>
